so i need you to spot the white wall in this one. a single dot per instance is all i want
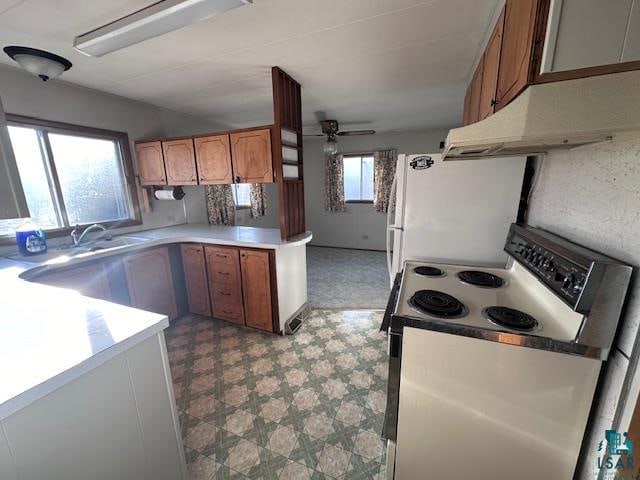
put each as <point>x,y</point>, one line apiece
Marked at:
<point>25,94</point>
<point>360,226</point>
<point>590,195</point>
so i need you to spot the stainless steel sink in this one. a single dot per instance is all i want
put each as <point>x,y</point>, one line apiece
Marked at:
<point>65,252</point>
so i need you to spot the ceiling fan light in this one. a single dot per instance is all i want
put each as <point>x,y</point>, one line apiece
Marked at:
<point>41,63</point>
<point>330,147</point>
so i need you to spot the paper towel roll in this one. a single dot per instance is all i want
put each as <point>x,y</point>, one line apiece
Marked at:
<point>171,194</point>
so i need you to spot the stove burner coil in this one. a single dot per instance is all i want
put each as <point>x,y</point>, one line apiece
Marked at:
<point>438,304</point>
<point>429,271</point>
<point>480,279</point>
<point>511,318</point>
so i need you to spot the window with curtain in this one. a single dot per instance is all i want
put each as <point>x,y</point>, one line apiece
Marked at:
<point>358,178</point>
<point>72,175</point>
<point>242,195</point>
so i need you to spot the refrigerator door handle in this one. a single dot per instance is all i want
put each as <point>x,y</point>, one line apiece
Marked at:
<point>392,198</point>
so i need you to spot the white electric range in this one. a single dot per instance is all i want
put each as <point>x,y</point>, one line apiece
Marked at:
<point>492,371</point>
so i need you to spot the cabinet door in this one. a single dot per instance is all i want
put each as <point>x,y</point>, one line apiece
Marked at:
<point>517,46</point>
<point>195,276</point>
<point>89,280</point>
<point>150,281</point>
<point>150,164</point>
<point>490,70</point>
<point>256,288</point>
<point>475,88</point>
<point>225,287</point>
<point>213,157</point>
<point>251,156</point>
<point>180,162</point>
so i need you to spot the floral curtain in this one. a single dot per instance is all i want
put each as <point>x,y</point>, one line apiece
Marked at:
<point>258,202</point>
<point>384,165</point>
<point>333,183</point>
<point>221,208</point>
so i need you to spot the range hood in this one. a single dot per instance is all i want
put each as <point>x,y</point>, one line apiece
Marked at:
<point>551,116</point>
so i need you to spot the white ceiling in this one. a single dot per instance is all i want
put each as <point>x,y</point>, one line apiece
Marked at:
<point>382,64</point>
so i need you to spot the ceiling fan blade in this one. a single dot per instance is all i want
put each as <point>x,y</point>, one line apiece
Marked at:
<point>349,133</point>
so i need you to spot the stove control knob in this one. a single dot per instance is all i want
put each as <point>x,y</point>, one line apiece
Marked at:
<point>577,288</point>
<point>548,265</point>
<point>568,280</point>
<point>540,261</point>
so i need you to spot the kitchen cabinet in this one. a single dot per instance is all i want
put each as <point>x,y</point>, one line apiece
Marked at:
<point>150,281</point>
<point>180,162</point>
<point>590,33</point>
<point>195,275</point>
<point>213,158</point>
<point>225,284</point>
<point>515,66</point>
<point>256,288</point>
<point>251,156</point>
<point>490,66</point>
<point>150,164</point>
<point>90,280</point>
<point>475,89</point>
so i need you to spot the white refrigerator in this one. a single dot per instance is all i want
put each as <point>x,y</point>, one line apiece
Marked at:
<point>455,212</point>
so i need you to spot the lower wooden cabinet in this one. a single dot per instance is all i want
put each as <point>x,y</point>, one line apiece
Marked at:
<point>256,288</point>
<point>195,276</point>
<point>150,281</point>
<point>225,286</point>
<point>90,280</point>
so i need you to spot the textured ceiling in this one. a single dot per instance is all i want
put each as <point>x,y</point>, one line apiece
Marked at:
<point>382,64</point>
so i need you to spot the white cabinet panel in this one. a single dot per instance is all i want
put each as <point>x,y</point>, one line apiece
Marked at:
<point>589,33</point>
<point>86,430</point>
<point>631,51</point>
<point>7,468</point>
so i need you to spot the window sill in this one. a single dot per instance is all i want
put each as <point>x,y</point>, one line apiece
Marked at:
<point>64,232</point>
<point>243,207</point>
<point>359,201</point>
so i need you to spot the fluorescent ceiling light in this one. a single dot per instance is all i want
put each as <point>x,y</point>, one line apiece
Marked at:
<point>160,18</point>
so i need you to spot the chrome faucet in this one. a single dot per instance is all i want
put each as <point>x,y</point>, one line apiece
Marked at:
<point>77,237</point>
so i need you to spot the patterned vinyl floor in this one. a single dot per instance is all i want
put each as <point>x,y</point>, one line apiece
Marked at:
<point>343,278</point>
<point>260,406</point>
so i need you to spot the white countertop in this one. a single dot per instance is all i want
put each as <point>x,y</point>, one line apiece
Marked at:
<point>50,336</point>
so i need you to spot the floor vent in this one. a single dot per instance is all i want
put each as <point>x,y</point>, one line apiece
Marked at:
<point>295,323</point>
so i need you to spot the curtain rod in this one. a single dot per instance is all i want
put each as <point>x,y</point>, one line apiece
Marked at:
<point>367,152</point>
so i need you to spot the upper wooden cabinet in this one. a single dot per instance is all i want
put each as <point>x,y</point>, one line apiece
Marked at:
<point>195,275</point>
<point>150,281</point>
<point>515,67</point>
<point>89,280</point>
<point>150,163</point>
<point>490,66</point>
<point>251,156</point>
<point>180,162</point>
<point>474,92</point>
<point>256,288</point>
<point>213,157</point>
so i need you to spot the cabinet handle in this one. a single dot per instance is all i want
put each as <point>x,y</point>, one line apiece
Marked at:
<point>227,312</point>
<point>223,273</point>
<point>237,179</point>
<point>193,179</point>
<point>221,255</point>
<point>493,102</point>
<point>225,294</point>
<point>244,255</point>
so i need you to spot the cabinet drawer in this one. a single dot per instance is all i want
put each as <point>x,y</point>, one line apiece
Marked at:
<point>220,255</point>
<point>233,313</point>
<point>226,294</point>
<point>224,273</point>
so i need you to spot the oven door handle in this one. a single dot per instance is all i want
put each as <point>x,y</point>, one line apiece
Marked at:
<point>391,304</point>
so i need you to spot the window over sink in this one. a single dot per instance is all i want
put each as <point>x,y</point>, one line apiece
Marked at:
<point>358,178</point>
<point>242,195</point>
<point>72,175</point>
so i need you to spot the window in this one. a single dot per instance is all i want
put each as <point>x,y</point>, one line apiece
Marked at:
<point>72,175</point>
<point>242,194</point>
<point>358,178</point>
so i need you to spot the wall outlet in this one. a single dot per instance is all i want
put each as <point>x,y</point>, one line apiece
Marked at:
<point>365,237</point>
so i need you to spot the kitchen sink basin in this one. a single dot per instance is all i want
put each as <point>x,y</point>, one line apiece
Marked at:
<point>64,252</point>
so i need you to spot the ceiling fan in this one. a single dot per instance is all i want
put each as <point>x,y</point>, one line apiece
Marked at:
<point>331,129</point>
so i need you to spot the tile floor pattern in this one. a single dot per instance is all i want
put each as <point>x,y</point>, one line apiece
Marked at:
<point>261,406</point>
